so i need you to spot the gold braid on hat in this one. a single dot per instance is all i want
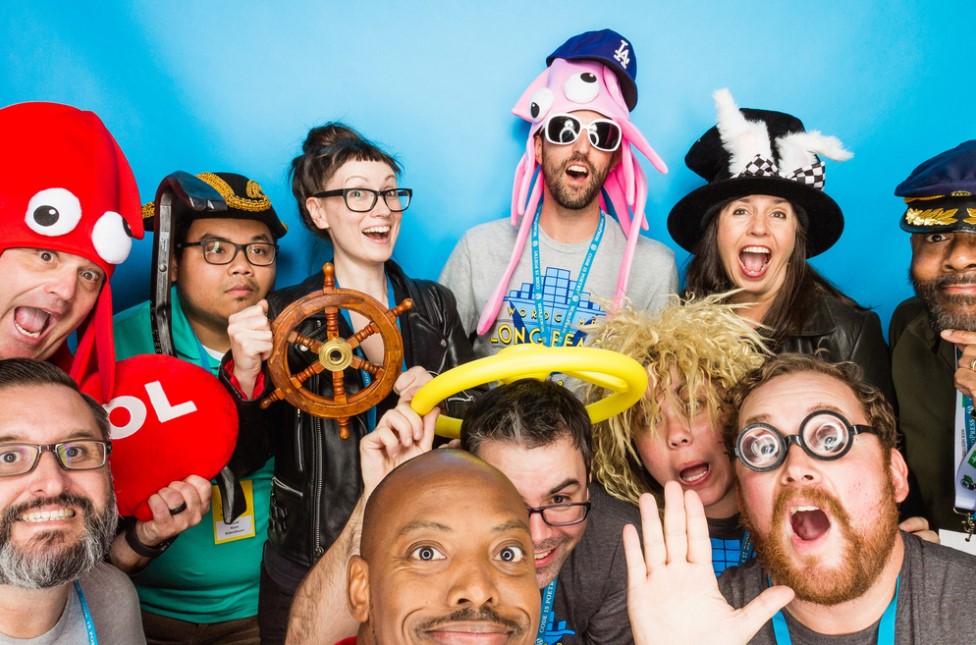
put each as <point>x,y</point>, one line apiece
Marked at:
<point>255,202</point>
<point>704,341</point>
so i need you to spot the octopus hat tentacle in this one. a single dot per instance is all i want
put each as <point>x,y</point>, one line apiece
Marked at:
<point>494,304</point>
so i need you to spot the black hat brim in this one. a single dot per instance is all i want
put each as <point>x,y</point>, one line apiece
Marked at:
<point>691,215</point>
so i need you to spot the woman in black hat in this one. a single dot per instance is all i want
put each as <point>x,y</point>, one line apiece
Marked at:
<point>347,192</point>
<point>753,226</point>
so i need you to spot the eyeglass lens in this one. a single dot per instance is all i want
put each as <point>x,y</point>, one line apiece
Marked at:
<point>224,252</point>
<point>823,435</point>
<point>363,200</point>
<point>564,129</point>
<point>16,459</point>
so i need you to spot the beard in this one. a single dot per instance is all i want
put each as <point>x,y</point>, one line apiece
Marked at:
<point>946,311</point>
<point>568,196</point>
<point>865,552</point>
<point>48,560</point>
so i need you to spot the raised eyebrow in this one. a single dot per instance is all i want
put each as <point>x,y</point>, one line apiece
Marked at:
<point>570,481</point>
<point>510,525</point>
<point>424,525</point>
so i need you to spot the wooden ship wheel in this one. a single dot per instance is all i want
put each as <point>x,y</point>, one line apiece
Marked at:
<point>335,354</point>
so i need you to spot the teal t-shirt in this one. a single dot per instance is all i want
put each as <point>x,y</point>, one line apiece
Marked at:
<point>197,579</point>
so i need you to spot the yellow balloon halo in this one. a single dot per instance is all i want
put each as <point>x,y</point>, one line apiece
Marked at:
<point>624,377</point>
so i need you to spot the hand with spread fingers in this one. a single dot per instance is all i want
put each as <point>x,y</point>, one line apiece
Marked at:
<point>251,341</point>
<point>400,435</point>
<point>672,594</point>
<point>965,375</point>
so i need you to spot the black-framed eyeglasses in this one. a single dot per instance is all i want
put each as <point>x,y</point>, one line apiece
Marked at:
<point>217,251</point>
<point>824,435</point>
<point>563,129</point>
<point>80,454</point>
<point>362,200</point>
<point>562,514</point>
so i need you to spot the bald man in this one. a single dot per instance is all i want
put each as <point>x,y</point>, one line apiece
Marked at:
<point>446,554</point>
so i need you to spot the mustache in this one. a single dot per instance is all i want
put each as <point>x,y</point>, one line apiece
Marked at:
<point>483,614</point>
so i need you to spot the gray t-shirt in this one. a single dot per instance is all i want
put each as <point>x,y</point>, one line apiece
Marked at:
<point>590,603</point>
<point>114,608</point>
<point>479,260</point>
<point>934,600</point>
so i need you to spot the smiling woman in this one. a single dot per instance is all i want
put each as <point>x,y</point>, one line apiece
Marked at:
<point>347,192</point>
<point>755,224</point>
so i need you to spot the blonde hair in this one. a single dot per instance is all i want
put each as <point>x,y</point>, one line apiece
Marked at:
<point>709,345</point>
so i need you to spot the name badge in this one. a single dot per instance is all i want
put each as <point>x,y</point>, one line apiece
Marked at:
<point>241,528</point>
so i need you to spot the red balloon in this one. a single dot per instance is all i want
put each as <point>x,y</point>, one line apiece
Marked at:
<point>170,419</point>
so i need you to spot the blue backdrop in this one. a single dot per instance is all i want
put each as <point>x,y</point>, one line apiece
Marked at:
<point>236,85</point>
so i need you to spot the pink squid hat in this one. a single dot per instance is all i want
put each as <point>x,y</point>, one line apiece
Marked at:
<point>567,86</point>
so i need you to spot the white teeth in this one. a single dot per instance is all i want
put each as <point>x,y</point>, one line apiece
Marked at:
<point>804,509</point>
<point>377,229</point>
<point>694,478</point>
<point>755,249</point>
<point>47,516</point>
<point>543,555</point>
<point>576,168</point>
<point>32,334</point>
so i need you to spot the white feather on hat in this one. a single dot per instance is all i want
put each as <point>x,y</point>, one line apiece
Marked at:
<point>744,139</point>
<point>799,149</point>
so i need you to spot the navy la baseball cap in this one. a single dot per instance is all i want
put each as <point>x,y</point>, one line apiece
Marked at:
<point>608,47</point>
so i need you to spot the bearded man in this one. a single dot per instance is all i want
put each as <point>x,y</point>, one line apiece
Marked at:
<point>823,515</point>
<point>582,142</point>
<point>933,341</point>
<point>58,514</point>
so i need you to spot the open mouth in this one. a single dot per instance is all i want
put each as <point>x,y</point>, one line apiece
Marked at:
<point>377,233</point>
<point>32,322</point>
<point>809,523</point>
<point>577,171</point>
<point>694,474</point>
<point>754,260</point>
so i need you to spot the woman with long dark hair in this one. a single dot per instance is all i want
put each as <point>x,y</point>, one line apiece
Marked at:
<point>752,228</point>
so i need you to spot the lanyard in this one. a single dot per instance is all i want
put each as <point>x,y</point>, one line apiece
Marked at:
<point>538,292</point>
<point>89,623</point>
<point>367,378</point>
<point>746,552</point>
<point>548,595</point>
<point>965,459</point>
<point>886,628</point>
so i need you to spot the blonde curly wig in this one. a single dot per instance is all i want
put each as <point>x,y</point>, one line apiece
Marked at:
<point>704,340</point>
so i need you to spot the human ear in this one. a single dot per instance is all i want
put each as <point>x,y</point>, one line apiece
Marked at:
<point>317,212</point>
<point>357,590</point>
<point>898,471</point>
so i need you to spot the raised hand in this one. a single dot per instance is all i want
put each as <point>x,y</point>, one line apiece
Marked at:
<point>249,331</point>
<point>965,375</point>
<point>400,435</point>
<point>672,592</point>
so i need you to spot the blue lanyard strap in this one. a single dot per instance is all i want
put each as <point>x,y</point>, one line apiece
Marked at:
<point>746,552</point>
<point>538,291</point>
<point>89,623</point>
<point>367,378</point>
<point>548,595</point>
<point>886,628</point>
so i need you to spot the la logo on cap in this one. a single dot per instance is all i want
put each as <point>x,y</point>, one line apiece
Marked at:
<point>622,55</point>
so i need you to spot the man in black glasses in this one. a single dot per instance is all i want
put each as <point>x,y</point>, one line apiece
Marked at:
<point>58,514</point>
<point>579,237</point>
<point>538,435</point>
<point>222,262</point>
<point>823,516</point>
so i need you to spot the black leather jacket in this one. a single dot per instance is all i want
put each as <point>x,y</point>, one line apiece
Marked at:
<point>847,334</point>
<point>317,477</point>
